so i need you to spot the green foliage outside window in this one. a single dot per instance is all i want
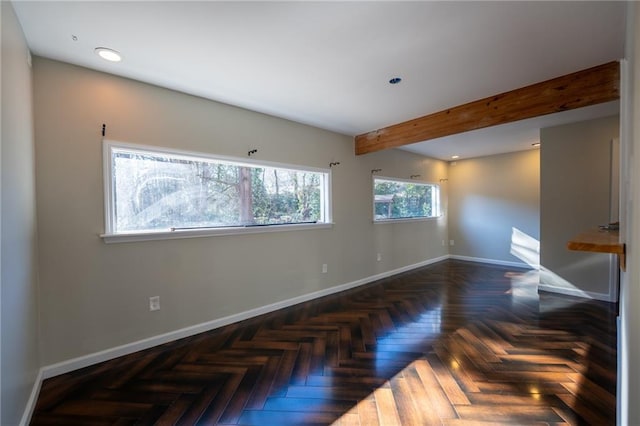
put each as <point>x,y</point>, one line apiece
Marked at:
<point>155,191</point>
<point>397,199</point>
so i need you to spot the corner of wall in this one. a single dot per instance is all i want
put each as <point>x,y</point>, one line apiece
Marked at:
<point>20,362</point>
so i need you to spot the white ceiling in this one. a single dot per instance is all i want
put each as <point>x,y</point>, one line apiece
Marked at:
<point>328,63</point>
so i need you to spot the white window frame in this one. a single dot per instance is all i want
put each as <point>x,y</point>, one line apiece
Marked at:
<point>437,202</point>
<point>109,236</point>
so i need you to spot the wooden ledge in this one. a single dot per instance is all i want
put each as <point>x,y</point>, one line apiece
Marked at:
<point>600,241</point>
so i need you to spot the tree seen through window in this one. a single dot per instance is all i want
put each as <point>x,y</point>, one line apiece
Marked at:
<point>398,199</point>
<point>162,191</point>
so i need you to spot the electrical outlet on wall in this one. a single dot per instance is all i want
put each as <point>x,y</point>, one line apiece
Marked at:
<point>324,268</point>
<point>154,303</point>
<point>379,257</point>
<point>451,242</point>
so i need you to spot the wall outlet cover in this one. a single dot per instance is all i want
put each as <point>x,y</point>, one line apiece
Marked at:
<point>154,303</point>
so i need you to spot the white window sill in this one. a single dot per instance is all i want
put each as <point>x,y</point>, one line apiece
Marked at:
<point>209,232</point>
<point>408,219</point>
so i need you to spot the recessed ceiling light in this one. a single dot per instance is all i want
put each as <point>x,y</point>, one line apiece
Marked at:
<point>395,80</point>
<point>108,54</point>
<point>455,157</point>
<point>535,144</point>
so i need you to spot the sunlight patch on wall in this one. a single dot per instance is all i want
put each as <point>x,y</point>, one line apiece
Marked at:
<point>525,248</point>
<point>550,279</point>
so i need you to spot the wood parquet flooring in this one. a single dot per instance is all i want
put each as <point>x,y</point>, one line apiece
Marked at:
<point>454,343</point>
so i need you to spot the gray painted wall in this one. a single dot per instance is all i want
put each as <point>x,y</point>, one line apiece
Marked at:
<point>575,183</point>
<point>97,294</point>
<point>488,197</point>
<point>629,330</point>
<point>19,355</point>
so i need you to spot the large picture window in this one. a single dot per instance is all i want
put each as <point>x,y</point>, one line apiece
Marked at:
<point>396,199</point>
<point>151,190</point>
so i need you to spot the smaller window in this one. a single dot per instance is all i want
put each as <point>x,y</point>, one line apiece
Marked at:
<point>396,199</point>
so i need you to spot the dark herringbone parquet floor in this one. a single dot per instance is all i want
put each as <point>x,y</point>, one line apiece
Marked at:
<point>453,343</point>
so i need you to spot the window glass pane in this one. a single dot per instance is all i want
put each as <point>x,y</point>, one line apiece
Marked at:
<point>158,191</point>
<point>397,199</point>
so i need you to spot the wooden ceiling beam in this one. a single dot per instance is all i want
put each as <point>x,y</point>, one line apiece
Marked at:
<point>580,89</point>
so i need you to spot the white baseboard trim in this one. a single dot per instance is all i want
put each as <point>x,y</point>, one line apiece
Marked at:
<point>33,398</point>
<point>490,261</point>
<point>111,353</point>
<point>541,287</point>
<point>575,292</point>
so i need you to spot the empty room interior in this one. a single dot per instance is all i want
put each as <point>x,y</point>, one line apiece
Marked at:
<point>364,213</point>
